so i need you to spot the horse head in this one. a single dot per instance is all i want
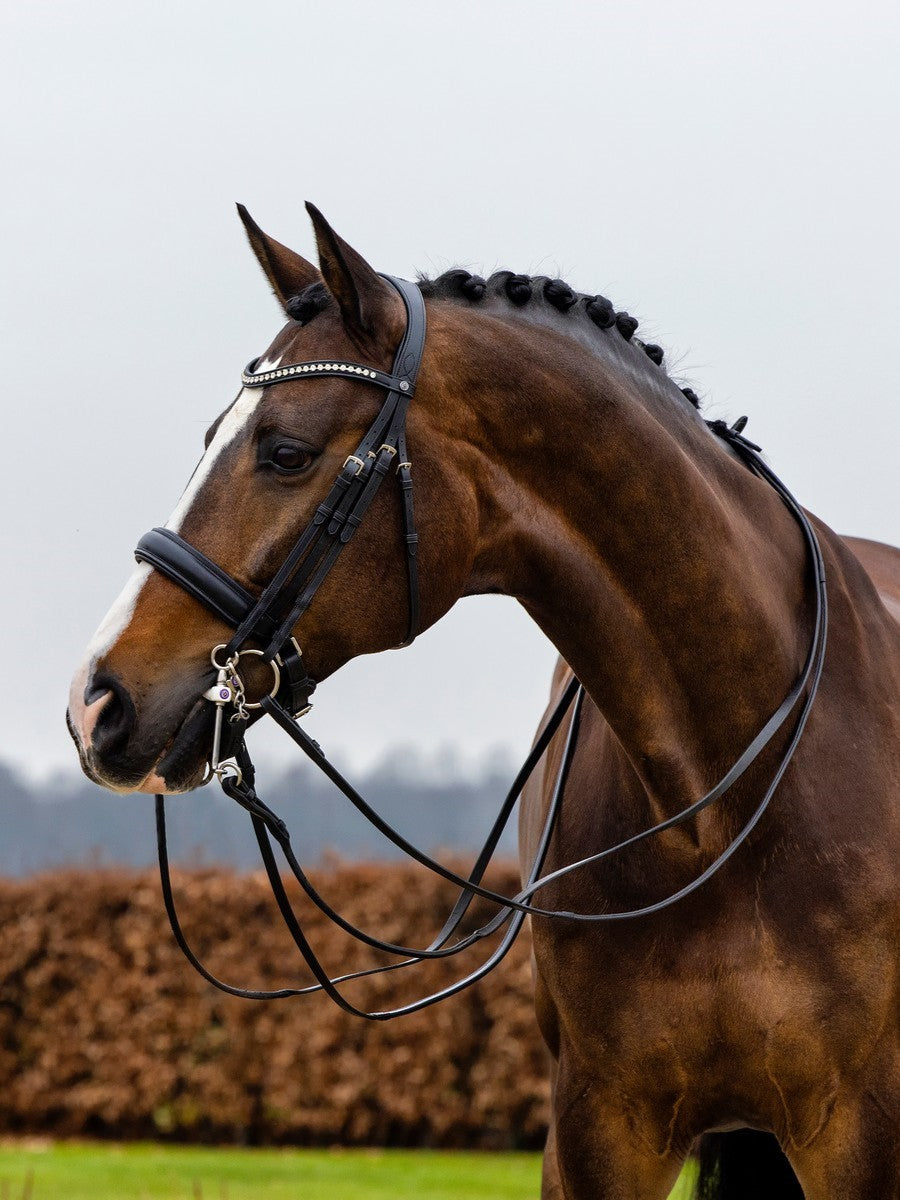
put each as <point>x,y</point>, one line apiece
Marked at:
<point>136,709</point>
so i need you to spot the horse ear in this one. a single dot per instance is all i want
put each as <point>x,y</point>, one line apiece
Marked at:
<point>287,272</point>
<point>365,300</point>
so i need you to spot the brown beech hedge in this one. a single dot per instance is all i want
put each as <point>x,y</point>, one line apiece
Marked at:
<point>105,1030</point>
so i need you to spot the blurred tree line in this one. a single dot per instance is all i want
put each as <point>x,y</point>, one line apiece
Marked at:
<point>68,821</point>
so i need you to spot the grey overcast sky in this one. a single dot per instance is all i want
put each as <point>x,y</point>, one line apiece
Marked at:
<point>728,173</point>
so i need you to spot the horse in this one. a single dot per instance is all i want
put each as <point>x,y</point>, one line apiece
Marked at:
<point>556,461</point>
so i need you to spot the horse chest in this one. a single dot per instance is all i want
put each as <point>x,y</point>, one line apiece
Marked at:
<point>699,1040</point>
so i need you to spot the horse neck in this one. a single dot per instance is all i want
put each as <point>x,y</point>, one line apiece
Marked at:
<point>667,575</point>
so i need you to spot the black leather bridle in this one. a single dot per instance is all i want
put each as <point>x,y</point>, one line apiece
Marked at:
<point>270,620</point>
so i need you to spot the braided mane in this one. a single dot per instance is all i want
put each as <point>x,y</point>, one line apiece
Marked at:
<point>459,284</point>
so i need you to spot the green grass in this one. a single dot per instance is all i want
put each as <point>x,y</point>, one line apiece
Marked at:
<point>32,1170</point>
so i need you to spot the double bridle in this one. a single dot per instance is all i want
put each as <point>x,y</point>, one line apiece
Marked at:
<point>269,621</point>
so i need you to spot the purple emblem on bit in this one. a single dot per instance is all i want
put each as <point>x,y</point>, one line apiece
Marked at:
<point>224,693</point>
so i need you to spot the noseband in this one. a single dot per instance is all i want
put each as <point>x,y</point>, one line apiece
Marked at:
<point>270,621</point>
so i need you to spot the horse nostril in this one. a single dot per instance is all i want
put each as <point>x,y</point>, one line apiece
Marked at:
<point>109,715</point>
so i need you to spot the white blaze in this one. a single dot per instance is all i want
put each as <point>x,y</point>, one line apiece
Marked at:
<point>231,425</point>
<point>118,617</point>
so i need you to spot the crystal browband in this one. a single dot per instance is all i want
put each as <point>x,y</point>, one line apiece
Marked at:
<point>252,378</point>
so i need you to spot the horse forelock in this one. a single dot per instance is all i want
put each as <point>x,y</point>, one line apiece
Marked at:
<point>308,303</point>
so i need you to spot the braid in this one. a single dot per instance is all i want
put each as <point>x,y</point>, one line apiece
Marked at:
<point>601,311</point>
<point>559,294</point>
<point>519,289</point>
<point>626,325</point>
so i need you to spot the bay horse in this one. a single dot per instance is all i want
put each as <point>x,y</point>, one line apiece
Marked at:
<point>556,461</point>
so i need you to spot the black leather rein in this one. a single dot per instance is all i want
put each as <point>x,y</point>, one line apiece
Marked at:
<point>270,621</point>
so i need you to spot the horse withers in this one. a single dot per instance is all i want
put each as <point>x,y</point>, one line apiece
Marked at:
<point>557,462</point>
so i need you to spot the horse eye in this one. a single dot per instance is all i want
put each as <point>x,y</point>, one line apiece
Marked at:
<point>288,456</point>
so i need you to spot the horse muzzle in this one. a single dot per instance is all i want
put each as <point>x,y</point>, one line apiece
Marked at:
<point>125,749</point>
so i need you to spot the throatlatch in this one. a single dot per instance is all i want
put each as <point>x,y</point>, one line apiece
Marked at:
<point>270,622</point>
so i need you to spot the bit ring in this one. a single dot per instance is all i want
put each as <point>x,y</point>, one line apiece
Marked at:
<point>212,657</point>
